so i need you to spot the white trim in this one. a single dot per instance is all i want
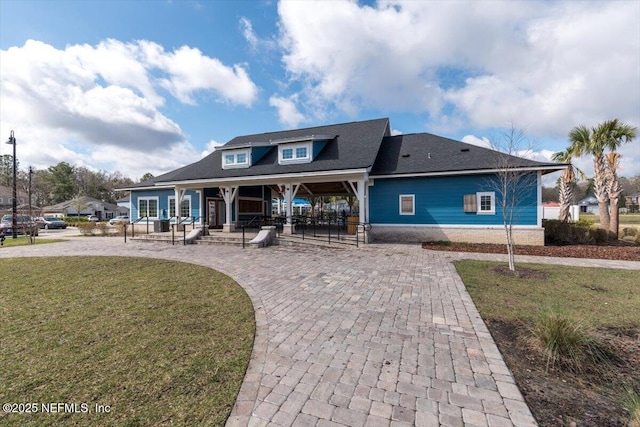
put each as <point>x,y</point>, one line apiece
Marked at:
<point>471,172</point>
<point>539,202</point>
<point>147,198</point>
<point>479,196</point>
<point>413,204</point>
<point>234,154</point>
<point>274,178</point>
<point>294,155</point>
<point>186,197</point>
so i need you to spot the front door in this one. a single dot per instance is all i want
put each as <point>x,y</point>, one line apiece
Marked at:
<point>216,213</point>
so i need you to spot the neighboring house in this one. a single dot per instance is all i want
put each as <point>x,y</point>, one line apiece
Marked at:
<point>632,203</point>
<point>123,206</point>
<point>83,206</point>
<point>413,187</point>
<point>6,198</point>
<point>589,204</point>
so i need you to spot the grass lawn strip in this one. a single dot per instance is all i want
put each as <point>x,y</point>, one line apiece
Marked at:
<point>23,241</point>
<point>158,342</point>
<point>605,300</point>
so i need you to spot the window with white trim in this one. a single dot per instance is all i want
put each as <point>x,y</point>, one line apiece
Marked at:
<point>148,207</point>
<point>407,204</point>
<point>235,159</point>
<point>294,153</point>
<point>486,203</point>
<point>185,206</point>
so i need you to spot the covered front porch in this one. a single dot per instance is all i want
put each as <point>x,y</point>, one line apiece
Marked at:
<point>231,204</point>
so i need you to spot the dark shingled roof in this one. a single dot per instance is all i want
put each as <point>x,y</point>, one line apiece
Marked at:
<point>427,153</point>
<point>355,147</point>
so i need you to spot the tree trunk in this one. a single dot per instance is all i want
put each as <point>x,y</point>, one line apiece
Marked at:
<point>615,218</point>
<point>600,190</point>
<point>510,251</point>
<point>564,194</point>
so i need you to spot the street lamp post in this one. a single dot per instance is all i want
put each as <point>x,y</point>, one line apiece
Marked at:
<point>14,229</point>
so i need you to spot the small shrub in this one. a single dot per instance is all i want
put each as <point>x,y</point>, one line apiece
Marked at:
<point>599,235</point>
<point>85,228</point>
<point>629,231</point>
<point>566,343</point>
<point>567,233</point>
<point>584,223</point>
<point>101,227</point>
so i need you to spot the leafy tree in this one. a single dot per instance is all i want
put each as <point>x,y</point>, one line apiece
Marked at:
<point>146,177</point>
<point>6,169</point>
<point>61,177</point>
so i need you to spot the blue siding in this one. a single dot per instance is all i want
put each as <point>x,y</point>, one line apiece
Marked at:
<point>440,200</point>
<point>163,202</point>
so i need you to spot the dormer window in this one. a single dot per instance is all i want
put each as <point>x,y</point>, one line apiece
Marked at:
<point>235,159</point>
<point>294,153</point>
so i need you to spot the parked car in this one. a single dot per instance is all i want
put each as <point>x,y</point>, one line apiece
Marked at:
<point>93,218</point>
<point>119,220</point>
<point>50,222</point>
<point>24,224</point>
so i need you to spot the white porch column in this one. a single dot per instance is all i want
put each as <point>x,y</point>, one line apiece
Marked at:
<point>179,195</point>
<point>229,195</point>
<point>359,189</point>
<point>290,191</point>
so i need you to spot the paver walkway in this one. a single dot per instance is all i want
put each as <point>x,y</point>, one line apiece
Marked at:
<point>378,336</point>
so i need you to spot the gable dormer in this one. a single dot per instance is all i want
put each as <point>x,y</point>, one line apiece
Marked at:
<point>300,149</point>
<point>243,156</point>
<point>234,157</point>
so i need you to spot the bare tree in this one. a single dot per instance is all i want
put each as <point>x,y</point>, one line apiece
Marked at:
<point>513,184</point>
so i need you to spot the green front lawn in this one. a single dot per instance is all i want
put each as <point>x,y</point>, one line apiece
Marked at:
<point>22,241</point>
<point>602,297</point>
<point>156,342</point>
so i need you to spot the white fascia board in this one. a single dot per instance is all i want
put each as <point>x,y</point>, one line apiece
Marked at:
<point>320,176</point>
<point>153,187</point>
<point>473,172</point>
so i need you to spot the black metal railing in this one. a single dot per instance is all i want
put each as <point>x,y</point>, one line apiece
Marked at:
<point>331,230</point>
<point>133,227</point>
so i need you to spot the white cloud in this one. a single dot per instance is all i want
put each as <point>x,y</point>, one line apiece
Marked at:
<point>247,32</point>
<point>64,103</point>
<point>190,72</point>
<point>211,147</point>
<point>288,113</point>
<point>480,142</point>
<point>549,66</point>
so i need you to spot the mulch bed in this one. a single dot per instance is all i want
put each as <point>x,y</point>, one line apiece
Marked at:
<point>624,252</point>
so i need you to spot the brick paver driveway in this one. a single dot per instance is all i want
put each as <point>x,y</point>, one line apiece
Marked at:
<point>381,335</point>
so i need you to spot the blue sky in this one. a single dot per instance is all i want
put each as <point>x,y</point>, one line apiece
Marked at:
<point>148,86</point>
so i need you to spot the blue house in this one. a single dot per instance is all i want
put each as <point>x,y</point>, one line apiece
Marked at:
<point>414,187</point>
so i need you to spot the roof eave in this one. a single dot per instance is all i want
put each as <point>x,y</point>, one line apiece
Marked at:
<point>544,169</point>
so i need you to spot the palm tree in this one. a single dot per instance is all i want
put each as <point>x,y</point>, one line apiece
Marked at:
<point>615,133</point>
<point>584,141</point>
<point>567,181</point>
<point>608,135</point>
